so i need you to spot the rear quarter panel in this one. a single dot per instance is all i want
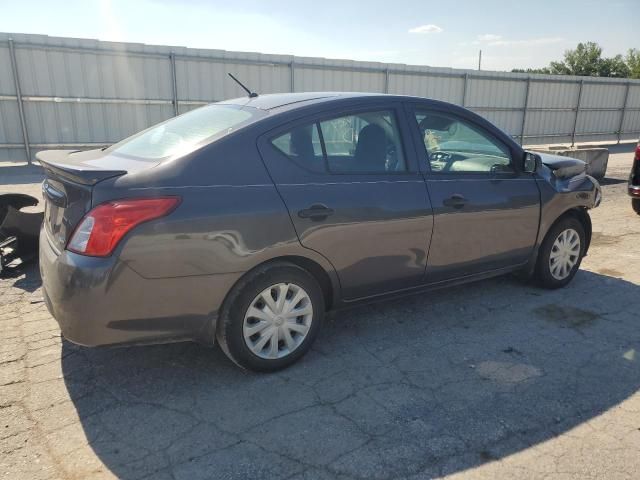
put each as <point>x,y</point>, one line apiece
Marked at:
<point>230,219</point>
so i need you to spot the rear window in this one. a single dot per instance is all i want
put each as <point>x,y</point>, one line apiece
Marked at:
<point>185,133</point>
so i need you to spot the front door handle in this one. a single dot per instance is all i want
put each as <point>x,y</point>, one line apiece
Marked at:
<point>455,201</point>
<point>317,211</point>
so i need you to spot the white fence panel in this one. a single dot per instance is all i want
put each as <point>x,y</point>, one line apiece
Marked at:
<point>448,89</point>
<point>315,79</point>
<point>79,93</point>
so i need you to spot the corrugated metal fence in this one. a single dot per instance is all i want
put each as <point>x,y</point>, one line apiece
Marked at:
<point>76,93</point>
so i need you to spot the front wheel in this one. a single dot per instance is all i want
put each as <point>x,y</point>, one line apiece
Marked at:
<point>561,253</point>
<point>272,318</point>
<point>635,204</point>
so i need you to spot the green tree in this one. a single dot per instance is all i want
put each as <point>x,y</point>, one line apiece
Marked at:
<point>532,70</point>
<point>586,60</point>
<point>613,67</point>
<point>633,62</point>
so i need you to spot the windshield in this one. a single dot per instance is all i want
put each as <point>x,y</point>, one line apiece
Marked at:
<point>183,134</point>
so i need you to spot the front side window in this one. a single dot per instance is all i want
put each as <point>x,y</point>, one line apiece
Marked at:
<point>360,143</point>
<point>454,145</point>
<point>185,133</point>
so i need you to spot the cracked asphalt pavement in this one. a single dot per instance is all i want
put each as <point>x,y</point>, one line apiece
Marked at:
<point>484,381</point>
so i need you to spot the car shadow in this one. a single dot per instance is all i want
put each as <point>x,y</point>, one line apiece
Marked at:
<point>611,181</point>
<point>20,175</point>
<point>434,383</point>
<point>620,148</point>
<point>26,275</point>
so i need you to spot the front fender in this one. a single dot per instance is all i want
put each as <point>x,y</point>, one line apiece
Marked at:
<point>564,196</point>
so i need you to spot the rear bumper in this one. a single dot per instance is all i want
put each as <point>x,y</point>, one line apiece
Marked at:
<point>634,179</point>
<point>102,301</point>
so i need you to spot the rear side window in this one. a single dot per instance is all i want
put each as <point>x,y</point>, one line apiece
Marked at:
<point>302,145</point>
<point>185,133</point>
<point>367,142</point>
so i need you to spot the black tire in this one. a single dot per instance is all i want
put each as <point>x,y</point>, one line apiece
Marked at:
<point>229,331</point>
<point>635,204</point>
<point>543,274</point>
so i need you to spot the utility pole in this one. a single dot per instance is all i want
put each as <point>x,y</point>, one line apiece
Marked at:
<point>480,60</point>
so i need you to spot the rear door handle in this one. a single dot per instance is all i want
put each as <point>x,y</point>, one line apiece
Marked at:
<point>317,211</point>
<point>455,201</point>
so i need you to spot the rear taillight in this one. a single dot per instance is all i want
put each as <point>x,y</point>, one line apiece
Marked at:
<point>637,157</point>
<point>103,227</point>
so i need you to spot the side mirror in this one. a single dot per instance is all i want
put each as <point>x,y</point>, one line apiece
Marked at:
<point>531,162</point>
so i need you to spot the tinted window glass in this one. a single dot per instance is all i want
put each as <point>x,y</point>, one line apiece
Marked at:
<point>454,145</point>
<point>183,134</point>
<point>364,142</point>
<point>302,145</point>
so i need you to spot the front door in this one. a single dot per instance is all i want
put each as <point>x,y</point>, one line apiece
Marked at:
<point>355,196</point>
<point>486,211</point>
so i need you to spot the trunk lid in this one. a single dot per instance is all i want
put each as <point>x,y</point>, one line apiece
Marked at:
<point>70,177</point>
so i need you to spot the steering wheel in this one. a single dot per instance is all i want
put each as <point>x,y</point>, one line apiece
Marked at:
<point>440,156</point>
<point>391,160</point>
<point>444,158</point>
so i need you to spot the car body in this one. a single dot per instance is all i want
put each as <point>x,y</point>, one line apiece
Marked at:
<point>363,196</point>
<point>634,181</point>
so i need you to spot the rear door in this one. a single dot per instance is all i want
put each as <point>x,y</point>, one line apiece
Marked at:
<point>486,210</point>
<point>355,195</point>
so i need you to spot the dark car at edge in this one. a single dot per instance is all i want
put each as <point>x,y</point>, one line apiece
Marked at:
<point>634,181</point>
<point>242,222</point>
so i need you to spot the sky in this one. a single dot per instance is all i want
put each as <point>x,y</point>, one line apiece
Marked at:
<point>445,33</point>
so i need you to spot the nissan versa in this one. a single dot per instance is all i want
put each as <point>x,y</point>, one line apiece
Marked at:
<point>244,221</point>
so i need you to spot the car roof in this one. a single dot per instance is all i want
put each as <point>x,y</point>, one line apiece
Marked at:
<point>284,103</point>
<point>273,101</point>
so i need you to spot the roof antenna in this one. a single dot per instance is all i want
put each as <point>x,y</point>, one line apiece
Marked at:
<point>249,92</point>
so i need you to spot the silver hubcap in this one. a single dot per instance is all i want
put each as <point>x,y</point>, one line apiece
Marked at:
<point>564,254</point>
<point>277,320</point>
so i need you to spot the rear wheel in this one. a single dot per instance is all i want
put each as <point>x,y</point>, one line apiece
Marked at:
<point>272,318</point>
<point>561,253</point>
<point>635,204</point>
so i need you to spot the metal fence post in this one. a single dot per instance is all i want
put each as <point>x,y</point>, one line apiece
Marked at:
<point>16,82</point>
<point>174,83</point>
<point>386,80</point>
<point>624,111</point>
<point>524,112</point>
<point>293,76</point>
<point>464,89</point>
<point>575,120</point>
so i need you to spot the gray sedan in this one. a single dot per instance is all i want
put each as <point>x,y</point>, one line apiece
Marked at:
<point>241,223</point>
